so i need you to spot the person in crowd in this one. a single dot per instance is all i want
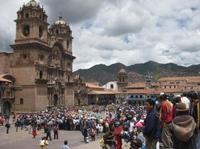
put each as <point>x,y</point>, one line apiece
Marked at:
<point>17,124</point>
<point>166,116</point>
<point>196,115</point>
<point>108,140</point>
<point>34,131</point>
<point>117,134</point>
<point>48,132</point>
<point>136,144</point>
<point>151,128</point>
<point>93,133</point>
<point>44,143</point>
<point>7,125</point>
<point>183,128</point>
<point>195,112</point>
<point>85,134</point>
<point>65,146</point>
<point>55,130</point>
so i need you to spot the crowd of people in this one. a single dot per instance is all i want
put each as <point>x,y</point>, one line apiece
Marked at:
<point>164,122</point>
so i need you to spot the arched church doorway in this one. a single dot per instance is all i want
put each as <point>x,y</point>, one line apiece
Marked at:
<point>6,108</point>
<point>55,100</point>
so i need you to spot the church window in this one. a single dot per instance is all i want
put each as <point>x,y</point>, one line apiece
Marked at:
<point>44,17</point>
<point>24,56</point>
<point>21,101</point>
<point>41,57</point>
<point>67,44</point>
<point>57,31</point>
<point>22,14</point>
<point>68,78</point>
<point>40,31</point>
<point>27,15</point>
<point>69,65</point>
<point>26,30</point>
<point>41,74</point>
<point>33,13</point>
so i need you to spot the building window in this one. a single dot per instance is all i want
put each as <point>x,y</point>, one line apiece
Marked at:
<point>27,15</point>
<point>67,44</point>
<point>41,57</point>
<point>141,96</point>
<point>40,31</point>
<point>111,86</point>
<point>33,13</point>
<point>41,74</point>
<point>26,30</point>
<point>68,78</point>
<point>24,56</point>
<point>21,101</point>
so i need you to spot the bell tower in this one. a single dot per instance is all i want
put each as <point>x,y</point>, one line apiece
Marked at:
<point>122,79</point>
<point>31,23</point>
<point>60,32</point>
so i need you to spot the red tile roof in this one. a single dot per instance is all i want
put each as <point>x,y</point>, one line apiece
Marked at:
<point>136,85</point>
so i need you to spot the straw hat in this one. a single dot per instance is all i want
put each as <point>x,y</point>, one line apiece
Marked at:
<point>181,107</point>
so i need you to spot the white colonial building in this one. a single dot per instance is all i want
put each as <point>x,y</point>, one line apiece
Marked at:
<point>111,85</point>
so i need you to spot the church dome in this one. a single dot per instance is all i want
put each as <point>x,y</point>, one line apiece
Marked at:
<point>32,3</point>
<point>60,21</point>
<point>122,71</point>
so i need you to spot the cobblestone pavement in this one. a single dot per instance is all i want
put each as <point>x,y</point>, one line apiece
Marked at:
<point>23,140</point>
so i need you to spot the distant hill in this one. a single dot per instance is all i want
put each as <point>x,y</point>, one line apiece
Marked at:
<point>137,72</point>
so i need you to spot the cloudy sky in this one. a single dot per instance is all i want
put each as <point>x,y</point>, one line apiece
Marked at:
<point>126,31</point>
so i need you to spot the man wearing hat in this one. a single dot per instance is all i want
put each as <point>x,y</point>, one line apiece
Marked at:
<point>183,127</point>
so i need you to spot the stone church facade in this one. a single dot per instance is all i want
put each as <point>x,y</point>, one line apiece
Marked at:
<point>41,61</point>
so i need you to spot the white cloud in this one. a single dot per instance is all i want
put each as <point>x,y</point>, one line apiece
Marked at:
<point>126,31</point>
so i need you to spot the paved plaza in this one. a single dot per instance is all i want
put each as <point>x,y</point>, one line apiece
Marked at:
<point>23,140</point>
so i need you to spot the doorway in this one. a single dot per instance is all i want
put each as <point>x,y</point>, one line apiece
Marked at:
<point>55,100</point>
<point>6,108</point>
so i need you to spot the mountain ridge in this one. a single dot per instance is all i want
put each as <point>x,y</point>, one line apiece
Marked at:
<point>137,72</point>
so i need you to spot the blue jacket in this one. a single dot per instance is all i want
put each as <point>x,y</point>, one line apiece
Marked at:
<point>152,128</point>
